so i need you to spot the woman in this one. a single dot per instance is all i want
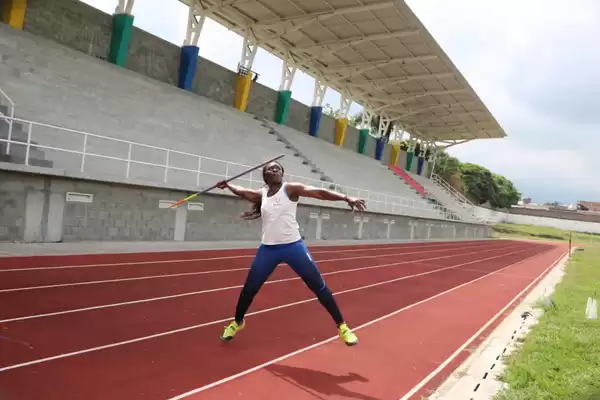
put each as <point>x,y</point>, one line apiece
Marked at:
<point>281,243</point>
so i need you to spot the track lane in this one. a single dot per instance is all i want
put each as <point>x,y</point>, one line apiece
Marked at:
<point>30,302</point>
<point>437,328</point>
<point>174,362</point>
<point>146,319</point>
<point>122,259</point>
<point>17,278</point>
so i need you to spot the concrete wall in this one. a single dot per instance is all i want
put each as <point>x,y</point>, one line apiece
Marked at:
<point>35,208</point>
<point>558,214</point>
<point>560,223</point>
<point>84,28</point>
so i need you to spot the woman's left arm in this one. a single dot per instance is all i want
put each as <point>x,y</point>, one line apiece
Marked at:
<point>297,190</point>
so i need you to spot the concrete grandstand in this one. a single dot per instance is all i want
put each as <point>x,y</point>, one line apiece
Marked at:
<point>91,150</point>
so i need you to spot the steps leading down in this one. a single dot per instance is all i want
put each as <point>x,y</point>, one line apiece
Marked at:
<point>410,181</point>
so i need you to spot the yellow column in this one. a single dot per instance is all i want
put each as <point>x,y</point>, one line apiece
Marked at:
<point>340,130</point>
<point>395,154</point>
<point>13,13</point>
<point>242,89</point>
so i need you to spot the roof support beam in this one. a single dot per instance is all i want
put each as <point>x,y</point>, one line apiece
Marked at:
<point>319,16</point>
<point>418,96</point>
<point>362,67</point>
<point>339,44</point>
<point>288,71</point>
<point>384,124</point>
<point>366,118</point>
<point>319,93</point>
<point>196,18</point>
<point>424,122</point>
<point>465,129</point>
<point>400,80</point>
<point>345,103</point>
<point>249,49</point>
<point>124,7</point>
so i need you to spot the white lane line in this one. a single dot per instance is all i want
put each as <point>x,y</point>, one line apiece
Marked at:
<point>173,296</point>
<point>350,250</point>
<point>164,276</point>
<point>443,365</point>
<point>187,328</point>
<point>305,349</point>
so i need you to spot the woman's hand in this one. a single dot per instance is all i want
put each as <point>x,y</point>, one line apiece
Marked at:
<point>354,202</point>
<point>223,185</point>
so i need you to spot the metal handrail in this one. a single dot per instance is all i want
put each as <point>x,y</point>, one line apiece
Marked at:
<point>9,119</point>
<point>449,188</point>
<point>384,202</point>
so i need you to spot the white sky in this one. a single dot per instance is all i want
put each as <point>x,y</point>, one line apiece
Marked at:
<point>534,63</point>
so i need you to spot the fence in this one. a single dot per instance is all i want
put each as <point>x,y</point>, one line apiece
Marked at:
<point>459,197</point>
<point>98,156</point>
<point>8,118</point>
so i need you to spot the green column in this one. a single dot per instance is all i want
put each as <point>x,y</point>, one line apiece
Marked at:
<point>119,42</point>
<point>362,140</point>
<point>409,159</point>
<point>283,106</point>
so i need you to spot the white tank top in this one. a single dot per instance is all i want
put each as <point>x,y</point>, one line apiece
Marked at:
<point>279,225</point>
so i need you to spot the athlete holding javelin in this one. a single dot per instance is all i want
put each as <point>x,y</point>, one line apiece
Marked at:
<point>281,243</point>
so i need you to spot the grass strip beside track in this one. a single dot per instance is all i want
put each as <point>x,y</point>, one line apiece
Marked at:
<point>559,358</point>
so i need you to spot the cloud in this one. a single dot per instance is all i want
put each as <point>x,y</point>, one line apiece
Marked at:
<point>535,66</point>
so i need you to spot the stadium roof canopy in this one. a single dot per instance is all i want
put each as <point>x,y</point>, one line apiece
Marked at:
<point>375,52</point>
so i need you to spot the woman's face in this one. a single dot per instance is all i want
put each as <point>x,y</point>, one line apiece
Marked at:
<point>273,173</point>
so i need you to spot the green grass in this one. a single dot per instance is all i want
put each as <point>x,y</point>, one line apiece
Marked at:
<point>560,357</point>
<point>514,231</point>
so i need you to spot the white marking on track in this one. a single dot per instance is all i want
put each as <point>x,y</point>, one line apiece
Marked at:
<point>350,250</point>
<point>237,287</point>
<point>171,332</point>
<point>443,365</point>
<point>305,349</point>
<point>164,276</point>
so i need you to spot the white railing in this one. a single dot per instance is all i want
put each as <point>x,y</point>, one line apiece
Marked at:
<point>8,118</point>
<point>167,171</point>
<point>459,197</point>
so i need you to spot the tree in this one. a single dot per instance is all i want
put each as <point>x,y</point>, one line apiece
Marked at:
<point>447,166</point>
<point>506,193</point>
<point>478,183</point>
<point>329,110</point>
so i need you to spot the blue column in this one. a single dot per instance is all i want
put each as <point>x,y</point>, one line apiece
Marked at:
<point>315,120</point>
<point>379,146</point>
<point>187,66</point>
<point>420,162</point>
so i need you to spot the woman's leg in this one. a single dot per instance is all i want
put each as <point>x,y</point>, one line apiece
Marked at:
<point>299,258</point>
<point>262,267</point>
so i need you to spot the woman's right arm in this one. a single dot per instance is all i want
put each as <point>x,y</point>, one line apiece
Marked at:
<point>253,196</point>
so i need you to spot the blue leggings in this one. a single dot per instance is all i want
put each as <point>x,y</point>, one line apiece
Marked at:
<point>297,256</point>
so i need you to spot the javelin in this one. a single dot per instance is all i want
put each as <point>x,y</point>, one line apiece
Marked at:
<point>227,180</point>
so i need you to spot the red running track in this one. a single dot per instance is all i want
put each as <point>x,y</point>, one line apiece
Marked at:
<point>147,326</point>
